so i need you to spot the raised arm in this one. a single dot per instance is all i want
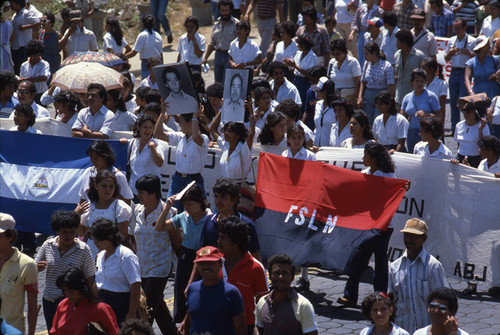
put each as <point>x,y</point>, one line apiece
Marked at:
<point>162,224</point>
<point>158,132</point>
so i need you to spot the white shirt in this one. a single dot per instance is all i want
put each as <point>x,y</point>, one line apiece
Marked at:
<point>84,40</point>
<point>438,86</point>
<point>411,283</point>
<point>422,149</point>
<point>37,109</point>
<point>131,105</point>
<point>142,163</point>
<point>148,45</point>
<point>343,15</point>
<point>91,171</point>
<point>425,331</point>
<point>101,122</point>
<point>246,54</point>
<point>124,121</point>
<point>70,122</point>
<point>109,42</point>
<point>21,37</point>
<point>389,45</point>
<point>483,166</point>
<point>378,40</point>
<point>281,52</point>
<point>189,157</point>
<point>30,130</point>
<point>427,43</point>
<point>42,68</point>
<point>458,61</point>
<point>348,144</point>
<point>323,120</point>
<point>231,165</point>
<point>302,154</point>
<point>378,173</point>
<point>489,26</point>
<point>395,128</point>
<point>287,91</point>
<point>307,62</point>
<point>344,77</point>
<point>495,105</point>
<point>181,102</point>
<point>148,83</point>
<point>396,330</point>
<point>467,137</point>
<point>309,133</point>
<point>337,136</point>
<point>262,121</point>
<point>118,272</point>
<point>185,48</point>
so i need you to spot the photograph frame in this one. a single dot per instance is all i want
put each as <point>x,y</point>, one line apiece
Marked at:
<point>232,109</point>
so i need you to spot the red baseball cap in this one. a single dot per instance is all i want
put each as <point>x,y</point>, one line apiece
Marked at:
<point>208,254</point>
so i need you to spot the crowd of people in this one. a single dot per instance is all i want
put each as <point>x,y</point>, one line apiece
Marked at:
<point>356,76</point>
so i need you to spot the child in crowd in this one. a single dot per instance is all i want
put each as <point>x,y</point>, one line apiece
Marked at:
<point>330,24</point>
<point>380,309</point>
<point>24,119</point>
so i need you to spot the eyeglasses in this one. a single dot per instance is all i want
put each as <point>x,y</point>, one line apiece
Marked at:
<point>435,305</point>
<point>23,92</point>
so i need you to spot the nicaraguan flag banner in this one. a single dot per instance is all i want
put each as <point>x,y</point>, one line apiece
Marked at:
<point>318,213</point>
<point>40,174</point>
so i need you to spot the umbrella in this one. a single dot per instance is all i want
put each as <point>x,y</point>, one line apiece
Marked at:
<point>105,58</point>
<point>76,77</point>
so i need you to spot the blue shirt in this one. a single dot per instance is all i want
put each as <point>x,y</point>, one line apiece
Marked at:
<point>191,232</point>
<point>441,22</point>
<point>210,233</point>
<point>6,110</point>
<point>212,308</point>
<point>7,329</point>
<point>427,101</point>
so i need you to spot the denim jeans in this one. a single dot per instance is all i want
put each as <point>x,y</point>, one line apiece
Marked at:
<point>369,107</point>
<point>413,138</point>
<point>158,9</point>
<point>361,48</point>
<point>144,69</point>
<point>221,62</point>
<point>457,89</point>
<point>178,183</point>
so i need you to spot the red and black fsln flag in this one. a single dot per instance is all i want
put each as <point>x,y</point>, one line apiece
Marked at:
<point>318,213</point>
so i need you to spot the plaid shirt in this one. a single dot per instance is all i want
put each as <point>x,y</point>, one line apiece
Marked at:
<point>363,14</point>
<point>441,22</point>
<point>404,20</point>
<point>320,38</point>
<point>378,75</point>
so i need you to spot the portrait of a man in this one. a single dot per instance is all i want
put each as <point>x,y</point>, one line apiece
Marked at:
<point>235,92</point>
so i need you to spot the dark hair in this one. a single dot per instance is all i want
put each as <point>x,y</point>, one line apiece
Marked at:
<point>152,95</point>
<point>316,71</point>
<point>195,193</point>
<point>143,119</point>
<point>462,21</point>
<point>64,219</point>
<point>369,301</point>
<point>152,107</point>
<point>92,193</point>
<point>277,32</point>
<point>373,48</point>
<point>50,17</point>
<point>280,259</point>
<point>386,98</point>
<point>152,61</point>
<point>305,41</point>
<point>237,128</point>
<point>34,47</point>
<point>138,325</point>
<point>74,279</point>
<point>243,25</point>
<point>142,91</point>
<point>260,91</point>
<point>126,66</point>
<point>432,126</point>
<point>338,44</point>
<point>116,95</point>
<point>235,76</point>
<point>310,12</point>
<point>202,122</point>
<point>290,28</point>
<point>290,108</point>
<point>27,111</point>
<point>21,3</point>
<point>67,97</point>
<point>331,20</point>
<point>490,142</point>
<point>102,149</point>
<point>171,70</point>
<point>148,22</point>
<point>150,184</point>
<point>390,18</point>
<point>65,13</point>
<point>194,20</point>
<point>434,66</point>
<point>405,36</point>
<point>445,293</point>
<point>236,230</point>
<point>115,30</point>
<point>31,85</point>
<point>225,3</point>
<point>266,137</point>
<point>438,3</point>
<point>296,129</point>
<point>12,235</point>
<point>102,91</point>
<point>418,73</point>
<point>363,121</point>
<point>223,186</point>
<point>344,103</point>
<point>275,65</point>
<point>382,158</point>
<point>198,82</point>
<point>6,78</point>
<point>105,230</point>
<point>127,82</point>
<point>215,90</point>
<point>260,82</point>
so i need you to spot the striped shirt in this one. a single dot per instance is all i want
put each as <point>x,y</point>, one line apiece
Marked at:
<point>411,283</point>
<point>468,13</point>
<point>78,256</point>
<point>266,9</point>
<point>378,75</point>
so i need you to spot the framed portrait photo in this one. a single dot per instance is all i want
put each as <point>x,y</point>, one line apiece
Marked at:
<point>176,88</point>
<point>236,90</point>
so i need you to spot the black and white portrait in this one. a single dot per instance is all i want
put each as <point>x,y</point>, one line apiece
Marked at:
<point>174,82</point>
<point>235,92</point>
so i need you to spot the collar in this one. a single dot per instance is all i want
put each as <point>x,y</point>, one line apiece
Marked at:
<point>140,208</point>
<point>302,152</point>
<point>53,241</point>
<point>84,302</point>
<point>292,295</point>
<point>232,20</point>
<point>15,256</point>
<point>424,31</point>
<point>103,110</point>
<point>423,255</point>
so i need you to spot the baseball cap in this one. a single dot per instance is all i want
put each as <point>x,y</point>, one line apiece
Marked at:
<point>6,222</point>
<point>418,14</point>
<point>375,21</point>
<point>321,84</point>
<point>75,15</point>
<point>415,226</point>
<point>208,254</point>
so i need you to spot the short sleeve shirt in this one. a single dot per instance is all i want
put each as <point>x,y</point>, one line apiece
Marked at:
<point>394,129</point>
<point>185,48</point>
<point>427,101</point>
<point>82,41</point>
<point>148,45</point>
<point>344,76</point>
<point>191,232</point>
<point>102,121</point>
<point>109,42</point>
<point>190,157</point>
<point>236,165</point>
<point>119,271</point>
<point>141,163</point>
<point>246,54</point>
<point>281,52</point>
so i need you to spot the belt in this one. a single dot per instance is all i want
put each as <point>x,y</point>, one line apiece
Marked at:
<point>185,175</point>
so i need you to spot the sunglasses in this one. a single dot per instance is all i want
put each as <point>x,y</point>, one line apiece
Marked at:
<point>435,305</point>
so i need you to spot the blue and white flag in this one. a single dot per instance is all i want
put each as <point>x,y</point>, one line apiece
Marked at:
<point>40,174</point>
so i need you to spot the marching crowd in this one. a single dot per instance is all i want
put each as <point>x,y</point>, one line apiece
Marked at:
<point>358,75</point>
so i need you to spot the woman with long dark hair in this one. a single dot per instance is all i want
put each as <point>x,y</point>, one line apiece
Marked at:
<point>359,127</point>
<point>236,146</point>
<point>123,120</point>
<point>324,114</point>
<point>67,104</point>
<point>390,128</point>
<point>113,40</point>
<point>340,129</point>
<point>274,131</point>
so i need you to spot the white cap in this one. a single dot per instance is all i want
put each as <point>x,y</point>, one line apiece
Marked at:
<point>6,222</point>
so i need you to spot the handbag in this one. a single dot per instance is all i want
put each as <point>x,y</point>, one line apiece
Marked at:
<point>143,309</point>
<point>95,328</point>
<point>247,193</point>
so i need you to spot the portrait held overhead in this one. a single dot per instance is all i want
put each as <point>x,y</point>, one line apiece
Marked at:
<point>236,91</point>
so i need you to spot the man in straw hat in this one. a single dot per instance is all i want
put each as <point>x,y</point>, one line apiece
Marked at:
<point>413,276</point>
